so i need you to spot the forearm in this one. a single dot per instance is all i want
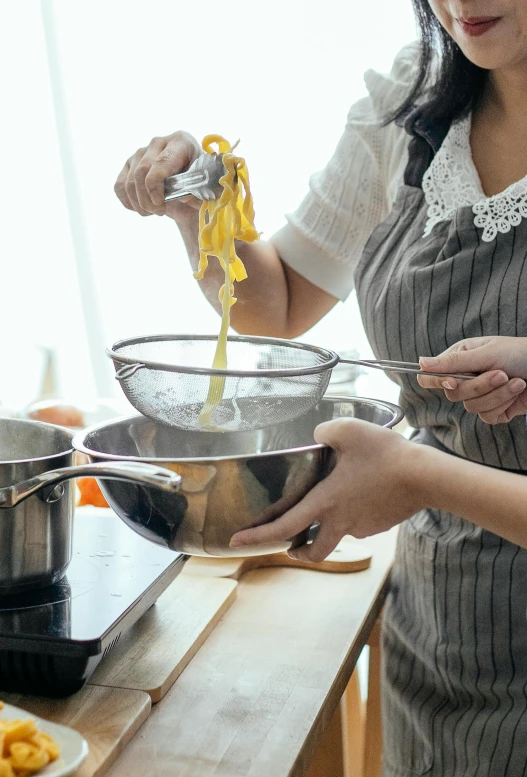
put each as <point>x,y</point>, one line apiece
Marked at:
<point>490,498</point>
<point>273,300</point>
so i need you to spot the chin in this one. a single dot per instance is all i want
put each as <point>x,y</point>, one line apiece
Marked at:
<point>488,57</point>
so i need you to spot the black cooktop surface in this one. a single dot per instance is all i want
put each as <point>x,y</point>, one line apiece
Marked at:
<point>52,639</point>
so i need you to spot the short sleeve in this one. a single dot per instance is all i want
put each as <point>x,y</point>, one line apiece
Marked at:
<point>324,238</point>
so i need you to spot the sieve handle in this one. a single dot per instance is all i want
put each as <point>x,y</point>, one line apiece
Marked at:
<point>406,367</point>
<point>128,370</point>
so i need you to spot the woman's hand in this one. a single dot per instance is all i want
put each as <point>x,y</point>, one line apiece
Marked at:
<point>140,184</point>
<point>370,490</point>
<point>499,393</point>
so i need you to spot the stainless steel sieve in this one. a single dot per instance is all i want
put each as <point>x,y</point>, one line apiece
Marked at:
<point>268,381</point>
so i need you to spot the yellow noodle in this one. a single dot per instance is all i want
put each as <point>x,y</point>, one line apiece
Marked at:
<point>221,222</point>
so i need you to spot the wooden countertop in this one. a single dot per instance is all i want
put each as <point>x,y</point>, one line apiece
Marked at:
<point>255,699</point>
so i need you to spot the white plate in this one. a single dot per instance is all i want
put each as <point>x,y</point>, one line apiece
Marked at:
<point>73,747</point>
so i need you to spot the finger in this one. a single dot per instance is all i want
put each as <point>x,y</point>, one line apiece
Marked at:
<point>324,543</point>
<point>476,387</point>
<point>331,432</point>
<point>295,520</point>
<point>342,431</point>
<point>469,343</point>
<point>120,188</point>
<point>130,183</point>
<point>505,414</point>
<point>497,398</point>
<point>188,200</point>
<point>518,407</point>
<point>436,383</point>
<point>143,167</point>
<point>178,154</point>
<point>291,523</point>
<point>466,356</point>
<point>499,415</point>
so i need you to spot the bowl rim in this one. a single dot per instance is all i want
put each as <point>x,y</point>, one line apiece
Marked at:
<point>40,458</point>
<point>80,438</point>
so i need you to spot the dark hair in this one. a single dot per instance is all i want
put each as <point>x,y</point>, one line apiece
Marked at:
<point>459,84</point>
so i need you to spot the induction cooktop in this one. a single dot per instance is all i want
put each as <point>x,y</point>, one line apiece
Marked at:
<point>52,639</point>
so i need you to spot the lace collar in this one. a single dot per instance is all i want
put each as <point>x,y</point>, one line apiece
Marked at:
<point>452,182</point>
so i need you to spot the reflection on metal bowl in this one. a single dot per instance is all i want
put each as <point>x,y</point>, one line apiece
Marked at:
<point>230,481</point>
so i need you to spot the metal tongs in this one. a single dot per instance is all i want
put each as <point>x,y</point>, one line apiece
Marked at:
<point>407,367</point>
<point>202,179</point>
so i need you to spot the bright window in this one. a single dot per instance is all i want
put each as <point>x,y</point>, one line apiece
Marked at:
<point>86,84</point>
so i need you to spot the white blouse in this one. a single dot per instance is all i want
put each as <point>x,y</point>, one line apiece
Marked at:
<point>452,182</point>
<point>324,238</point>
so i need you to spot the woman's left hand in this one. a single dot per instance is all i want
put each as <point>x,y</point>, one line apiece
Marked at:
<point>367,492</point>
<point>499,392</point>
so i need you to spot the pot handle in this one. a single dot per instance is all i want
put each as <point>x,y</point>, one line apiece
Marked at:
<point>136,471</point>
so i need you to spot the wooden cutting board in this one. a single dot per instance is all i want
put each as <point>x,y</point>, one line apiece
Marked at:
<point>107,718</point>
<point>153,653</point>
<point>349,556</point>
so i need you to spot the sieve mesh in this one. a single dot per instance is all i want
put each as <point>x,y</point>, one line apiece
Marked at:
<point>268,381</point>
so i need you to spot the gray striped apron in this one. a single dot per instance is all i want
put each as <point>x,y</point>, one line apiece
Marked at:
<point>455,627</point>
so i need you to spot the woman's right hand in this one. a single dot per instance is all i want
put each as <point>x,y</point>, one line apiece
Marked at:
<point>140,184</point>
<point>499,392</point>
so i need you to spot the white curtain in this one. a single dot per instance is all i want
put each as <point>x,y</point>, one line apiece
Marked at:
<point>85,84</point>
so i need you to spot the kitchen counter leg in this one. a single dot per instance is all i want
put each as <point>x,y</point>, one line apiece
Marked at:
<point>373,724</point>
<point>328,760</point>
<point>353,721</point>
<point>340,752</point>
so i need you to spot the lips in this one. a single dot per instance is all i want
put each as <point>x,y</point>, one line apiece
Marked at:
<point>478,25</point>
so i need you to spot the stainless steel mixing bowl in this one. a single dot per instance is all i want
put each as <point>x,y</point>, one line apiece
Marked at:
<point>230,481</point>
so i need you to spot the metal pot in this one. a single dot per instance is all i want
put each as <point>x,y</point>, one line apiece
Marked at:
<point>37,501</point>
<point>230,480</point>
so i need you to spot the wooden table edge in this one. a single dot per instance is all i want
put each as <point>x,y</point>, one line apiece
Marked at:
<point>340,683</point>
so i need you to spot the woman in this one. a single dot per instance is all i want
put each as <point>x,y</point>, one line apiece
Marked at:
<point>432,172</point>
